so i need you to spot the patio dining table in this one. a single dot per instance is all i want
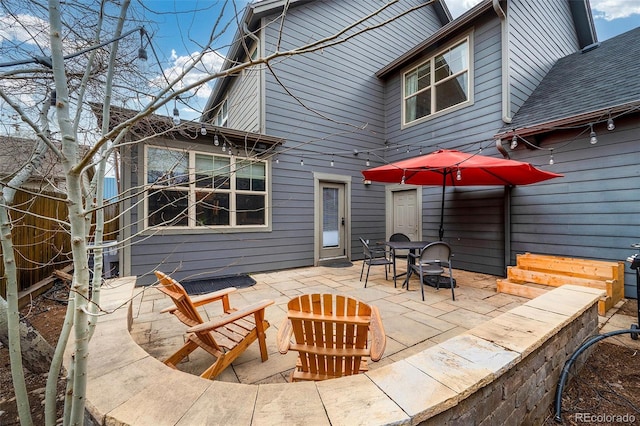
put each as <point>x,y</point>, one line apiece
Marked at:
<point>412,246</point>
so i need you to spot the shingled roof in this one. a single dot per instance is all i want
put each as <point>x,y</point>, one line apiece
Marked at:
<point>584,85</point>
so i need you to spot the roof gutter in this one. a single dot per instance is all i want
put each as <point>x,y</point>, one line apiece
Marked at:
<point>572,120</point>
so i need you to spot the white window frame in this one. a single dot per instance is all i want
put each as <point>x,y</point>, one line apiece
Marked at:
<point>468,39</point>
<point>222,116</point>
<point>193,190</point>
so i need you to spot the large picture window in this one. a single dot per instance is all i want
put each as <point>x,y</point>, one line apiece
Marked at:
<point>194,189</point>
<point>437,84</point>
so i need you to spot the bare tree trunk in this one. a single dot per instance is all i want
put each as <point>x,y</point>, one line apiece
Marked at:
<point>13,319</point>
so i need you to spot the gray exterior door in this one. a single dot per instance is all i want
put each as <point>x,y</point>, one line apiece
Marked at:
<point>332,220</point>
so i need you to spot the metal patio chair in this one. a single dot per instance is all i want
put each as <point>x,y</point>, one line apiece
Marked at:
<point>373,257</point>
<point>431,261</point>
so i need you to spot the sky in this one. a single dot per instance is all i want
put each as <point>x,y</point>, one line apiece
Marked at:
<point>177,26</point>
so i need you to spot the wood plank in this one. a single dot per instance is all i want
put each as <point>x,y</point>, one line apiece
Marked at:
<point>552,279</point>
<point>516,289</point>
<point>583,268</point>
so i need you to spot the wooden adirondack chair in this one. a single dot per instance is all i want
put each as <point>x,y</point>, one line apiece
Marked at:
<point>225,337</point>
<point>334,335</point>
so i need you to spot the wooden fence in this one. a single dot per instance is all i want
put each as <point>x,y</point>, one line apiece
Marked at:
<point>41,237</point>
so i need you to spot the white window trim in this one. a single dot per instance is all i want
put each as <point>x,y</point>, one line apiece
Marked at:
<point>470,81</point>
<point>225,117</point>
<point>192,189</point>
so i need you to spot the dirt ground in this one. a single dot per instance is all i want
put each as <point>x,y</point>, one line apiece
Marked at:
<point>603,392</point>
<point>46,314</point>
<point>606,391</point>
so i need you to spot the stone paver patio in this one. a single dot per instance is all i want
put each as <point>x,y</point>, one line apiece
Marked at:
<point>411,325</point>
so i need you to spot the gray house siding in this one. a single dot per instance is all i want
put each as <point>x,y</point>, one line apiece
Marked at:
<point>591,212</point>
<point>343,108</point>
<point>473,220</point>
<point>342,111</point>
<point>540,33</point>
<point>244,101</point>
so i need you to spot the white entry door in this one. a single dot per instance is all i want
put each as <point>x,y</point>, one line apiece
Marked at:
<point>405,213</point>
<point>332,220</point>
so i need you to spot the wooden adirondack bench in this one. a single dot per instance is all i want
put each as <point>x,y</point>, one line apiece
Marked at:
<point>334,335</point>
<point>225,337</point>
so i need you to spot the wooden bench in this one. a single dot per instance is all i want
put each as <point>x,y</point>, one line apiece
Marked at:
<point>534,274</point>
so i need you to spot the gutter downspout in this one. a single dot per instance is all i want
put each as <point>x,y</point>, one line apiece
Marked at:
<point>506,88</point>
<point>506,118</point>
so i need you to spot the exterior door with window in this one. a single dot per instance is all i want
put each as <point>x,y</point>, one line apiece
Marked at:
<point>332,220</point>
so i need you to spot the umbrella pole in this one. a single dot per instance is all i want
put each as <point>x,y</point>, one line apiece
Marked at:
<point>444,185</point>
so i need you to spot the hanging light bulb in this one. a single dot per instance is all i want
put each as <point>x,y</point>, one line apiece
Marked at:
<point>302,161</point>
<point>367,163</point>
<point>551,162</point>
<point>514,142</point>
<point>277,159</point>
<point>224,146</point>
<point>176,113</point>
<point>593,139</point>
<point>332,163</point>
<point>458,175</point>
<point>203,130</point>
<point>402,181</point>
<point>610,125</point>
<point>142,53</point>
<point>216,141</point>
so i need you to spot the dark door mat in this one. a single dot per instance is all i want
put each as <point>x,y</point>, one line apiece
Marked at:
<point>444,282</point>
<point>335,263</point>
<point>208,285</point>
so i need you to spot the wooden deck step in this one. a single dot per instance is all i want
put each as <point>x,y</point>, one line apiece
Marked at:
<point>535,274</point>
<point>551,278</point>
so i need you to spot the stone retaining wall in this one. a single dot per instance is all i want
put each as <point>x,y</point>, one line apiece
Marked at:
<point>501,372</point>
<point>525,393</point>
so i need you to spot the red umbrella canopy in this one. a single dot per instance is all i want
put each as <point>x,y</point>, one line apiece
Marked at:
<point>455,168</point>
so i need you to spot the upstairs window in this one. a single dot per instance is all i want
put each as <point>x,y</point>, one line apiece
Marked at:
<point>186,189</point>
<point>440,83</point>
<point>222,117</point>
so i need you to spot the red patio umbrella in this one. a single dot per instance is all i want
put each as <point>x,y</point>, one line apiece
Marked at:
<point>455,168</point>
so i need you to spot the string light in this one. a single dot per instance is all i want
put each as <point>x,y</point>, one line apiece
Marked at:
<point>402,181</point>
<point>277,159</point>
<point>142,53</point>
<point>224,146</point>
<point>610,125</point>
<point>302,161</point>
<point>176,113</point>
<point>436,143</point>
<point>368,162</point>
<point>551,157</point>
<point>514,142</point>
<point>216,141</point>
<point>458,175</point>
<point>203,130</point>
